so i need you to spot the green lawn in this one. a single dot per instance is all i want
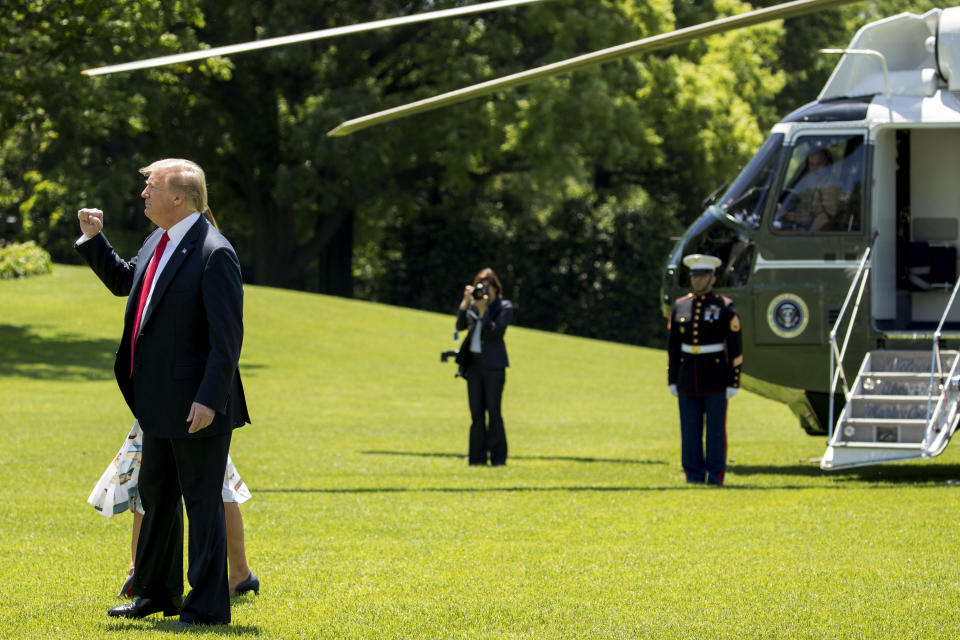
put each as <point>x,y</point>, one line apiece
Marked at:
<point>366,521</point>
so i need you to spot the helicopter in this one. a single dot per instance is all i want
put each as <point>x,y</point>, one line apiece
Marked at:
<point>879,146</point>
<point>845,214</point>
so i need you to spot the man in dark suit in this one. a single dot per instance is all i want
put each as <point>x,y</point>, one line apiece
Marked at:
<point>177,367</point>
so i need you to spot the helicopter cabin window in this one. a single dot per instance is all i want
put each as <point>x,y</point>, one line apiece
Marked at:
<point>744,200</point>
<point>823,186</point>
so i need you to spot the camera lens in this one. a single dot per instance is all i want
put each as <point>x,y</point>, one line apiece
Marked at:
<point>479,291</point>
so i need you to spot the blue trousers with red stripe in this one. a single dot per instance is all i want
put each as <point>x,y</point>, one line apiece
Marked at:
<point>694,412</point>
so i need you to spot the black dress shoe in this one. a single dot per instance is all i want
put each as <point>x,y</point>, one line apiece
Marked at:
<point>252,583</point>
<point>144,607</point>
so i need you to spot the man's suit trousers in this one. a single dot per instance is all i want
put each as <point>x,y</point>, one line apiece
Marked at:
<point>195,467</point>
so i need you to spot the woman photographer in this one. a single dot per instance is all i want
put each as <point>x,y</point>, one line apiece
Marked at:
<point>483,359</point>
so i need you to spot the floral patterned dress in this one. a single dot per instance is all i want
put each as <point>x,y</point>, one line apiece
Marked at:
<point>116,491</point>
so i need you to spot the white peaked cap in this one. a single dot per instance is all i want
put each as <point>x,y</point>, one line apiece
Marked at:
<point>700,262</point>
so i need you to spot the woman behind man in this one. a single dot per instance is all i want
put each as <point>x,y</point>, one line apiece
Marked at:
<point>117,491</point>
<point>483,359</point>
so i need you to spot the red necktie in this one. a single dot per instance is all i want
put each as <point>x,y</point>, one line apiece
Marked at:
<point>145,292</point>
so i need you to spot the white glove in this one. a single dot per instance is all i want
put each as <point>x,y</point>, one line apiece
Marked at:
<point>731,391</point>
<point>673,389</point>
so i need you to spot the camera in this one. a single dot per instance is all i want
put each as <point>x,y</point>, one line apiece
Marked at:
<point>446,355</point>
<point>479,291</point>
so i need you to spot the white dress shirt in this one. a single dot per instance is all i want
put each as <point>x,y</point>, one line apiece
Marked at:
<point>475,346</point>
<point>175,233</point>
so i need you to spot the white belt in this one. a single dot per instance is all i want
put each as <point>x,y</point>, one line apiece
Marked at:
<point>701,348</point>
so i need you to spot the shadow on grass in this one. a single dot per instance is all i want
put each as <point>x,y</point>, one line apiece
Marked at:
<point>921,476</point>
<point>472,489</point>
<point>808,470</point>
<point>428,454</point>
<point>252,369</point>
<point>62,357</point>
<point>170,624</point>
<point>914,473</point>
<point>731,485</point>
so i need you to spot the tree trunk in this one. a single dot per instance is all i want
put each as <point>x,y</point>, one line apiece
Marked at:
<point>336,261</point>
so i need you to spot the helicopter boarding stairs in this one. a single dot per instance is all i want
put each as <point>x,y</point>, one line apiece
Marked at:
<point>904,404</point>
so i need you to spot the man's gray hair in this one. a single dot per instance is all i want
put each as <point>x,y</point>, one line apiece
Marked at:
<point>186,177</point>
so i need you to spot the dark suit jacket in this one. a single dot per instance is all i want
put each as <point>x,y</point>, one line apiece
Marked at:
<point>493,354</point>
<point>190,334</point>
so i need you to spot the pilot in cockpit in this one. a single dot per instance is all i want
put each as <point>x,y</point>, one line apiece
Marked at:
<point>813,203</point>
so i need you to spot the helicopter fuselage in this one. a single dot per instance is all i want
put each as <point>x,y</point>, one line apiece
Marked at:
<point>874,162</point>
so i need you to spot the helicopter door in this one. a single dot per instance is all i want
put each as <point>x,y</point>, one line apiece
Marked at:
<point>927,223</point>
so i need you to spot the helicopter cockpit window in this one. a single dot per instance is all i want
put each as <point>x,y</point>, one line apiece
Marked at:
<point>823,186</point>
<point>714,236</point>
<point>745,198</point>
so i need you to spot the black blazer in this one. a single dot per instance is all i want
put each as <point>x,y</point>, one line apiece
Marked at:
<point>190,334</point>
<point>493,351</point>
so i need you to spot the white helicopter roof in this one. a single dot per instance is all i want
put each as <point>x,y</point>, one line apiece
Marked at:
<point>905,55</point>
<point>940,108</point>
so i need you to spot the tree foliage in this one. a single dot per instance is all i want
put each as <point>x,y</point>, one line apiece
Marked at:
<point>68,140</point>
<point>570,187</point>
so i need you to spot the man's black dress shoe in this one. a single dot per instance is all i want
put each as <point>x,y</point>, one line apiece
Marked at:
<point>252,583</point>
<point>144,607</point>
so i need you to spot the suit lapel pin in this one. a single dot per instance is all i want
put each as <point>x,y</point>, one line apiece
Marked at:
<point>184,250</point>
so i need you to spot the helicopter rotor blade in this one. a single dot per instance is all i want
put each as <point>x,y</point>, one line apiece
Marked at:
<point>303,37</point>
<point>653,43</point>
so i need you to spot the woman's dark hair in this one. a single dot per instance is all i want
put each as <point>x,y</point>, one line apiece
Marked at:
<point>487,276</point>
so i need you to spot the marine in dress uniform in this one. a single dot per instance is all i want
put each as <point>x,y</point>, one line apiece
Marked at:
<point>705,353</point>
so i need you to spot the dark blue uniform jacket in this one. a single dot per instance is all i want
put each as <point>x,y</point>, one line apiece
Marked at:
<point>703,322</point>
